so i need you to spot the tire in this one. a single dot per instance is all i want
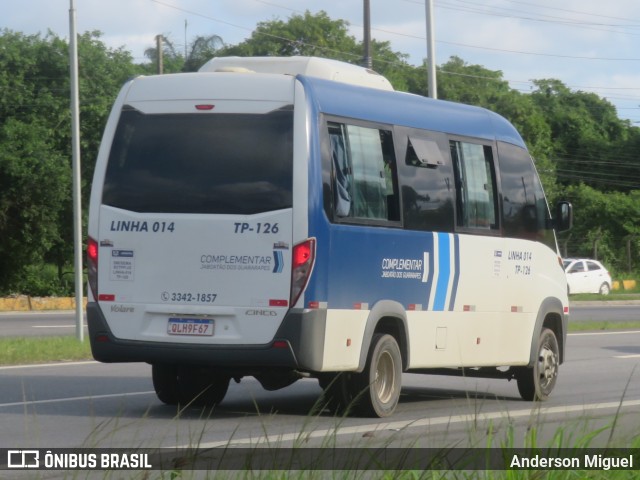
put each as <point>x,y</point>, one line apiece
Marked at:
<point>165,383</point>
<point>376,390</point>
<point>605,289</point>
<point>188,385</point>
<point>536,383</point>
<point>201,387</point>
<point>337,394</point>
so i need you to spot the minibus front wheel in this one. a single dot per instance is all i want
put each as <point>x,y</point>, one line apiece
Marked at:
<point>537,382</point>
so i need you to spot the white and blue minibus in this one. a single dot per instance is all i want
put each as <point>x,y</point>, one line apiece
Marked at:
<point>285,218</point>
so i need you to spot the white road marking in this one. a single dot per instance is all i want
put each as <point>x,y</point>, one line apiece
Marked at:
<point>619,332</point>
<point>627,356</point>
<point>73,399</point>
<point>52,326</point>
<point>45,365</point>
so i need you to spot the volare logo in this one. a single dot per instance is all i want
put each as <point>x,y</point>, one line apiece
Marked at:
<point>122,309</point>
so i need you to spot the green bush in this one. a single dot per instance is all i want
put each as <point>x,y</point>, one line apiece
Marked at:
<point>43,281</point>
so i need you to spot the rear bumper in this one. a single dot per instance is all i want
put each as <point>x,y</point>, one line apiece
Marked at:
<point>243,358</point>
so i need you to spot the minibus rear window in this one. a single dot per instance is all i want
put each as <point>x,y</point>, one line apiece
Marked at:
<point>201,163</point>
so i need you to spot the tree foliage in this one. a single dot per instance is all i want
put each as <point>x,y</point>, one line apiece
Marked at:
<point>589,141</point>
<point>318,35</point>
<point>604,223</point>
<point>582,150</point>
<point>202,49</point>
<point>35,144</point>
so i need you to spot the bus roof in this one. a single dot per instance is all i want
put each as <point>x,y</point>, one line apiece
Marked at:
<point>310,66</point>
<point>409,110</point>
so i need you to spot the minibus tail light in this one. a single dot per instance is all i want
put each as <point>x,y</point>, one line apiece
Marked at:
<point>303,258</point>
<point>92,266</point>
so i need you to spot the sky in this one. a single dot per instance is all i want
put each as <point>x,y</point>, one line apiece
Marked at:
<point>589,45</point>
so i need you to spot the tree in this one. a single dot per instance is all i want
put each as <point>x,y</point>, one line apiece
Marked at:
<point>305,35</point>
<point>608,219</point>
<point>172,60</point>
<point>470,84</point>
<point>35,146</point>
<point>589,140</point>
<point>318,35</point>
<point>202,49</point>
<point>35,184</point>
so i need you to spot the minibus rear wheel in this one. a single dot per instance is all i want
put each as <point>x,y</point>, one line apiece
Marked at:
<point>202,386</point>
<point>376,390</point>
<point>165,383</point>
<point>186,385</point>
<point>337,393</point>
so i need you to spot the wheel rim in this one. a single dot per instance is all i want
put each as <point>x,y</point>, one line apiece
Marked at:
<point>548,366</point>
<point>385,377</point>
<point>604,289</point>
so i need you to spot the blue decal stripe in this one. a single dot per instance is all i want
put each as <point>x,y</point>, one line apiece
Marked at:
<point>444,271</point>
<point>429,283</point>
<point>456,275</point>
<point>279,261</point>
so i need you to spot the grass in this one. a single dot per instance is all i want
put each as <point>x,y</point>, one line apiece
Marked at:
<point>570,438</point>
<point>30,350</point>
<point>613,296</point>
<point>603,325</point>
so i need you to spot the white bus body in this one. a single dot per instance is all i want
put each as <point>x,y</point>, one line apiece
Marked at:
<point>276,218</point>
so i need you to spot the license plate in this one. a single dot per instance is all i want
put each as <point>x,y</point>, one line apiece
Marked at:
<point>199,327</point>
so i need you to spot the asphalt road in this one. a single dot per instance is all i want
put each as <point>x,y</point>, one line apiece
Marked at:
<point>101,405</point>
<point>608,312</point>
<point>37,324</point>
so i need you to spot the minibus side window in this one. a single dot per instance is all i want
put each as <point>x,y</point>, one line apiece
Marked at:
<point>426,180</point>
<point>524,206</point>
<point>476,203</point>
<point>365,186</point>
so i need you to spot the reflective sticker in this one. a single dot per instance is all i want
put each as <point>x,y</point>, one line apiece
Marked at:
<point>122,265</point>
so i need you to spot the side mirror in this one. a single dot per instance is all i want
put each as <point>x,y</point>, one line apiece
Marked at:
<point>563,220</point>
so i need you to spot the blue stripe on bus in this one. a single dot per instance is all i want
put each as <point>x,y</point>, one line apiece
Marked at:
<point>444,271</point>
<point>278,261</point>
<point>430,275</point>
<point>456,276</point>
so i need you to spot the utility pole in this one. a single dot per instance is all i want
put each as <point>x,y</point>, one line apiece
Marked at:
<point>431,51</point>
<point>367,61</point>
<point>159,53</point>
<point>75,152</point>
<point>185,40</point>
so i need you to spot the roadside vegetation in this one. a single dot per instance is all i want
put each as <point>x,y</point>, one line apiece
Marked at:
<point>613,296</point>
<point>31,350</point>
<point>584,152</point>
<point>489,444</point>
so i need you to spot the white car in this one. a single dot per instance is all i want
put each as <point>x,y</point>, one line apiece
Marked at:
<point>587,276</point>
